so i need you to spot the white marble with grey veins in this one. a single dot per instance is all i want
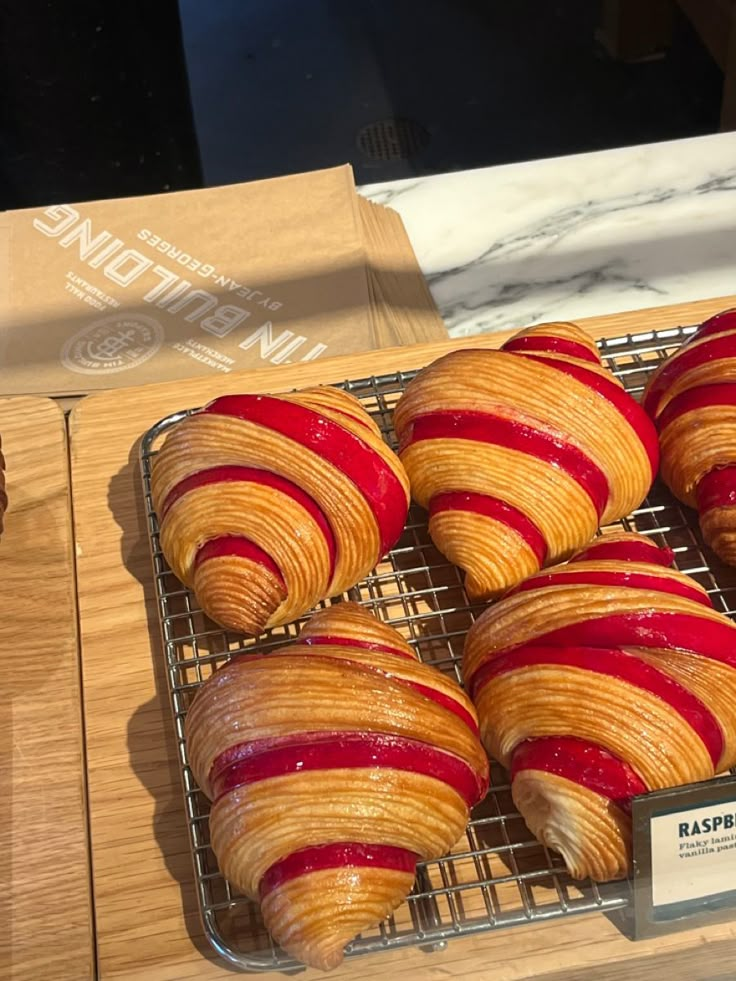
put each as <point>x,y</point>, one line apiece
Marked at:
<point>574,236</point>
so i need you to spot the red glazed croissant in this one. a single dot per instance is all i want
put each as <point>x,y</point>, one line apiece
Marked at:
<point>598,680</point>
<point>334,765</point>
<point>520,454</point>
<point>692,398</point>
<point>270,503</point>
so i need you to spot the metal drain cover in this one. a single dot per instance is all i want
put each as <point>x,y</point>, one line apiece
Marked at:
<point>392,139</point>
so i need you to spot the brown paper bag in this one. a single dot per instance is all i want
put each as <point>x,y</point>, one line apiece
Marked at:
<point>403,309</point>
<point>116,293</point>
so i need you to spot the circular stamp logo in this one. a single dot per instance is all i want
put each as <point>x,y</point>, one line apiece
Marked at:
<point>112,344</point>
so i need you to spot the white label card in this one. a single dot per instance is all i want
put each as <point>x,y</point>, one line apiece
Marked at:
<point>684,856</point>
<point>693,853</point>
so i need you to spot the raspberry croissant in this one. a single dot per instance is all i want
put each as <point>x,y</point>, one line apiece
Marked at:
<point>520,454</point>
<point>270,503</point>
<point>599,680</point>
<point>334,765</point>
<point>692,397</point>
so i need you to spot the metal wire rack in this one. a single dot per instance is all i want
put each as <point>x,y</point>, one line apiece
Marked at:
<point>497,875</point>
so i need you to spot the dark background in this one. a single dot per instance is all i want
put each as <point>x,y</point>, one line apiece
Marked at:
<point>102,100</point>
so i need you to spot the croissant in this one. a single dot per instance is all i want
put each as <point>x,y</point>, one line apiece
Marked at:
<point>692,398</point>
<point>3,494</point>
<point>270,503</point>
<point>334,764</point>
<point>599,680</point>
<point>520,454</point>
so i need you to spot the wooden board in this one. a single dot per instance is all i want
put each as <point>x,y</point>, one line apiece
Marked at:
<point>146,912</point>
<point>47,927</point>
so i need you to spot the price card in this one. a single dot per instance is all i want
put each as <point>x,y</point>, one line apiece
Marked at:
<point>684,851</point>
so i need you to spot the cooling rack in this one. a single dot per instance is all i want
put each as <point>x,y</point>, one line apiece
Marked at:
<point>497,876</point>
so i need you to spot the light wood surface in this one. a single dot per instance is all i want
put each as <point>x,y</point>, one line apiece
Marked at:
<point>46,927</point>
<point>146,915</point>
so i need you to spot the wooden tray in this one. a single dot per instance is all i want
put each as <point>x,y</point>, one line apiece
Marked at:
<point>47,929</point>
<point>146,913</point>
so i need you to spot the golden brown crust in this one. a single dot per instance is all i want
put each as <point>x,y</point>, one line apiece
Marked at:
<point>520,618</point>
<point>561,509</point>
<point>254,827</point>
<point>718,526</point>
<point>539,701</point>
<point>271,517</point>
<point>592,834</point>
<point>462,537</point>
<point>267,698</point>
<point>238,592</point>
<point>315,916</point>
<point>545,664</point>
<point>348,677</point>
<point>529,392</point>
<point>696,418</point>
<point>694,444</point>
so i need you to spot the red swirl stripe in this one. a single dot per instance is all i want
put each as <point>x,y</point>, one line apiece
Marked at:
<point>552,345</point>
<point>493,507</point>
<point>715,325</point>
<point>264,478</point>
<point>340,447</point>
<point>717,489</point>
<point>626,551</point>
<point>227,545</point>
<point>631,580</point>
<point>350,750</point>
<point>687,358</point>
<point>366,645</point>
<point>616,664</point>
<point>700,397</point>
<point>619,399</point>
<point>583,763</point>
<point>650,628</point>
<point>483,427</point>
<point>336,855</point>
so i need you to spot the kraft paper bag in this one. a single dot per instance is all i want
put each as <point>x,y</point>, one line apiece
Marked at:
<point>403,309</point>
<point>124,292</point>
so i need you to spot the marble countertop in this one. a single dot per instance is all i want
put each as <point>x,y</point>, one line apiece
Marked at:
<point>574,236</point>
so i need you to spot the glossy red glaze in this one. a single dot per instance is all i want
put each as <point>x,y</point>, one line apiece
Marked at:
<point>483,427</point>
<point>352,750</point>
<point>688,357</point>
<point>217,548</point>
<point>583,763</point>
<point>336,855</point>
<point>366,645</point>
<point>493,507</point>
<point>552,345</point>
<point>700,397</point>
<point>650,628</point>
<point>716,489</point>
<point>342,448</point>
<point>631,580</point>
<point>716,325</point>
<point>616,664</point>
<point>264,478</point>
<point>621,400</point>
<point>626,551</point>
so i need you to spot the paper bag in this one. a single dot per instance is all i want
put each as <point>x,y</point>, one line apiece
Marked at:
<point>116,293</point>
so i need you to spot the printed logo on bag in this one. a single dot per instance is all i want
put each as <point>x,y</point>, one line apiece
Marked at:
<point>112,344</point>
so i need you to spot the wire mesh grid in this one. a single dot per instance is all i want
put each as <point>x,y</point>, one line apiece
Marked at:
<point>497,875</point>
